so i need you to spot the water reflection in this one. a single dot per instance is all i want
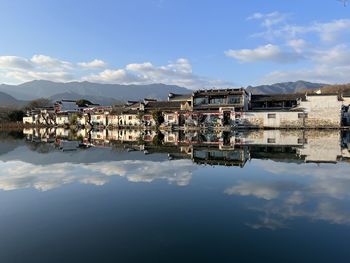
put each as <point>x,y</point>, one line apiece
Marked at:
<point>216,148</point>
<point>131,195</point>
<point>291,174</point>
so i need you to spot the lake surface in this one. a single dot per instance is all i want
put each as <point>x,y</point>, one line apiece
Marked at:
<point>131,196</point>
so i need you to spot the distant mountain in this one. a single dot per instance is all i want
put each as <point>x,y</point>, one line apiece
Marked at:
<point>95,99</point>
<point>43,88</point>
<point>285,87</point>
<point>9,101</point>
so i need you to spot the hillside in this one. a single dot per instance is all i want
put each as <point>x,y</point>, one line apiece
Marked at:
<point>95,99</point>
<point>7,100</point>
<point>345,88</point>
<point>42,88</point>
<point>285,87</point>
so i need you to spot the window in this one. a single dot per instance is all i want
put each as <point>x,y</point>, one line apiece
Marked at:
<point>130,117</point>
<point>234,100</point>
<point>271,115</point>
<point>200,101</point>
<point>217,101</point>
<point>170,117</point>
<point>302,140</point>
<point>302,115</point>
<point>147,117</point>
<point>271,140</point>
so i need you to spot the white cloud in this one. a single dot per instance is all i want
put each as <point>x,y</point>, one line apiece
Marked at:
<point>119,76</point>
<point>23,76</point>
<point>174,73</point>
<point>276,27</point>
<point>96,63</point>
<point>269,19</point>
<point>48,62</point>
<point>320,48</point>
<point>297,44</point>
<point>269,52</point>
<point>330,31</point>
<point>17,69</point>
<point>14,62</point>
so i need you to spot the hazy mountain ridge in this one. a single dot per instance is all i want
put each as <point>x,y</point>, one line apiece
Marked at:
<point>42,88</point>
<point>9,101</point>
<point>285,87</point>
<point>107,94</point>
<point>95,99</point>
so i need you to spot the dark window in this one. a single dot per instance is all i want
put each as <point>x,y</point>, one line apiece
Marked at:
<point>302,140</point>
<point>217,101</point>
<point>234,100</point>
<point>200,101</point>
<point>271,140</point>
<point>302,115</point>
<point>271,115</point>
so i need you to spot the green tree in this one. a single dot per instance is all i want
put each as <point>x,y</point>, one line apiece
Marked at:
<point>15,115</point>
<point>158,117</point>
<point>73,121</point>
<point>38,103</point>
<point>158,139</point>
<point>83,102</point>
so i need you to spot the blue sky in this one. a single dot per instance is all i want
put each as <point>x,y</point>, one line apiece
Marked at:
<point>189,43</point>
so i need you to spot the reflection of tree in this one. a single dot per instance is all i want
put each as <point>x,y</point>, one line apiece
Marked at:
<point>39,147</point>
<point>11,135</point>
<point>158,139</point>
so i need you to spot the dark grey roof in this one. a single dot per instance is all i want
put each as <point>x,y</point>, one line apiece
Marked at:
<point>220,92</point>
<point>174,105</point>
<point>277,97</point>
<point>173,96</point>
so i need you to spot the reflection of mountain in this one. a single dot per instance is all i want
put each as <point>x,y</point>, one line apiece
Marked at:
<point>10,141</point>
<point>7,146</point>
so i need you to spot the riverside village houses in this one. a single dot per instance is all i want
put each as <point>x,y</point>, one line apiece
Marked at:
<point>214,108</point>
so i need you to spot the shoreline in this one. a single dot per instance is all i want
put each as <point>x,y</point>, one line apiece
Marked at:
<point>18,125</point>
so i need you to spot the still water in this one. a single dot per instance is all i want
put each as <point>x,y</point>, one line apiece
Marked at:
<point>131,196</point>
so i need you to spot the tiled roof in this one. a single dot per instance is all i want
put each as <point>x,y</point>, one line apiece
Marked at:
<point>173,96</point>
<point>220,92</point>
<point>276,97</point>
<point>163,105</point>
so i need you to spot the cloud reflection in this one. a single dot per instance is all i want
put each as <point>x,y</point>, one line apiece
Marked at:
<point>20,175</point>
<point>297,191</point>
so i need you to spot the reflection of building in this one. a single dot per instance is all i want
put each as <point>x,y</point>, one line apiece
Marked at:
<point>215,156</point>
<point>219,148</point>
<point>322,146</point>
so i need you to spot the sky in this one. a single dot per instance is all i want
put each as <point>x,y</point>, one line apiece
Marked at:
<point>195,44</point>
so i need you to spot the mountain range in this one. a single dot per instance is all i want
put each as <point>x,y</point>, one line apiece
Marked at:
<point>285,87</point>
<point>107,94</point>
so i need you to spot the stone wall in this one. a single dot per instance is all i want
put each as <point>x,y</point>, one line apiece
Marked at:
<point>273,119</point>
<point>324,111</point>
